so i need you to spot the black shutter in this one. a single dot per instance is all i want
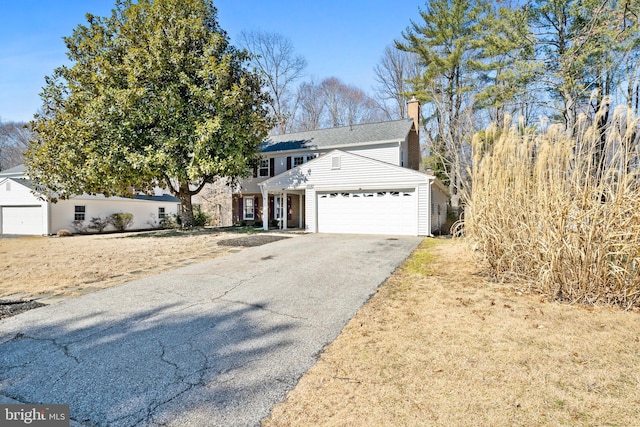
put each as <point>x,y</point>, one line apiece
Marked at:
<point>255,208</point>
<point>289,208</point>
<point>288,162</point>
<point>240,209</point>
<point>272,166</point>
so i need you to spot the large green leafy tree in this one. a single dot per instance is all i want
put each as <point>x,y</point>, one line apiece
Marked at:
<point>155,95</point>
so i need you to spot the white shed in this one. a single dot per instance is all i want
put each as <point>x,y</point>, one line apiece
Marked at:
<point>23,212</point>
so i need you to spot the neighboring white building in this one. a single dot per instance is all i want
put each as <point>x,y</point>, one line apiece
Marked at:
<point>23,212</point>
<point>356,179</point>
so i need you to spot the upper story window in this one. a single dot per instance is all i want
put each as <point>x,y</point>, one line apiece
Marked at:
<point>79,213</point>
<point>300,159</point>
<point>263,169</point>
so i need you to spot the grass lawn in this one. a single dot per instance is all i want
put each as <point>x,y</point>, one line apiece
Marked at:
<point>76,265</point>
<point>440,345</point>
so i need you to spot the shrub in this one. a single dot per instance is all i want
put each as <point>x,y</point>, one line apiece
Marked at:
<point>64,233</point>
<point>121,221</point>
<point>99,223</point>
<point>561,212</point>
<point>258,224</point>
<point>169,221</point>
<point>80,226</point>
<point>200,217</point>
<point>274,223</point>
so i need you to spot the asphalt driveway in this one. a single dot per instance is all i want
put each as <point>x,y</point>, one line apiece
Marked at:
<point>214,344</point>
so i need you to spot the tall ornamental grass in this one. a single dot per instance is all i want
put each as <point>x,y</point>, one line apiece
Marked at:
<point>560,211</point>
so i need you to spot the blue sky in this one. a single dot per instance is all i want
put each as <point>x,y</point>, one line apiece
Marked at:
<point>345,39</point>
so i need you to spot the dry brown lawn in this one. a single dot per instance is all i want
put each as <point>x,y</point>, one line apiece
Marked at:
<point>31,266</point>
<point>440,345</point>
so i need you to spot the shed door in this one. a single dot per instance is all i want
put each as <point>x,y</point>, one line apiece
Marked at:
<point>22,220</point>
<point>368,212</point>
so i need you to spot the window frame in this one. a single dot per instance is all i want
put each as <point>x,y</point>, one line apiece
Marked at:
<point>79,212</point>
<point>162,212</point>
<point>246,208</point>
<point>264,165</point>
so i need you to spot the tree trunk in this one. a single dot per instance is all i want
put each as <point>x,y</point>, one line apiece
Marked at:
<point>186,208</point>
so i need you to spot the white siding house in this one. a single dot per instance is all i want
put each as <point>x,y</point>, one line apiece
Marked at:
<point>354,179</point>
<point>23,212</point>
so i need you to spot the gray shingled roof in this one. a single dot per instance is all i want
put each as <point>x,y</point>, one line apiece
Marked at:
<point>14,170</point>
<point>333,137</point>
<point>163,198</point>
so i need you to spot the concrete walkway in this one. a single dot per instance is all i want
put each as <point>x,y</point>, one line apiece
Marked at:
<point>212,344</point>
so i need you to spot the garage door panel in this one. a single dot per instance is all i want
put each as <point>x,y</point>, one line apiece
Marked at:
<point>22,220</point>
<point>377,212</point>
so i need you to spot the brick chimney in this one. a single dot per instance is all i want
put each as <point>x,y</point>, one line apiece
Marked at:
<point>413,110</point>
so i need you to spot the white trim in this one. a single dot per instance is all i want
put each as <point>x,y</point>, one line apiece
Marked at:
<point>244,208</point>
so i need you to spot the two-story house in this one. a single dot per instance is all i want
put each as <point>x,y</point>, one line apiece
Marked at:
<point>355,179</point>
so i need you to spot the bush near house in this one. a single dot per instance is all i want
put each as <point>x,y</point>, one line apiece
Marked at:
<point>99,223</point>
<point>121,221</point>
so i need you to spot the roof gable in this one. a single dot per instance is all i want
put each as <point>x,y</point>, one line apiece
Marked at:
<point>370,133</point>
<point>354,171</point>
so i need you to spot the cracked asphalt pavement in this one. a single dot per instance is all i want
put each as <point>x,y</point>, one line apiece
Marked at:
<point>213,344</point>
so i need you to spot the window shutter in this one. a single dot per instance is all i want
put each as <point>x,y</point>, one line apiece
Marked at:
<point>255,171</point>
<point>288,162</point>
<point>240,208</point>
<point>289,208</point>
<point>255,209</point>
<point>272,166</point>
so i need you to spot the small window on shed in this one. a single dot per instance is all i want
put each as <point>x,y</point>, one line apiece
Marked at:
<point>161,213</point>
<point>79,213</point>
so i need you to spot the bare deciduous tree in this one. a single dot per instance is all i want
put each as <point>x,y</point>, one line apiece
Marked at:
<point>393,73</point>
<point>310,107</point>
<point>14,139</point>
<point>346,105</point>
<point>274,58</point>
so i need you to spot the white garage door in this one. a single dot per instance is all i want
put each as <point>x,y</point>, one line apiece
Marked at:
<point>22,220</point>
<point>360,212</point>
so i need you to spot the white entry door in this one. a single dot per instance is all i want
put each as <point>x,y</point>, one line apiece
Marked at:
<point>22,220</point>
<point>368,212</point>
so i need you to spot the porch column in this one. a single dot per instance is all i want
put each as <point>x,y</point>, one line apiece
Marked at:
<point>265,208</point>
<point>300,196</point>
<point>285,211</point>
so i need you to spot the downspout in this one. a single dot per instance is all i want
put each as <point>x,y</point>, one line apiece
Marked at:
<point>430,204</point>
